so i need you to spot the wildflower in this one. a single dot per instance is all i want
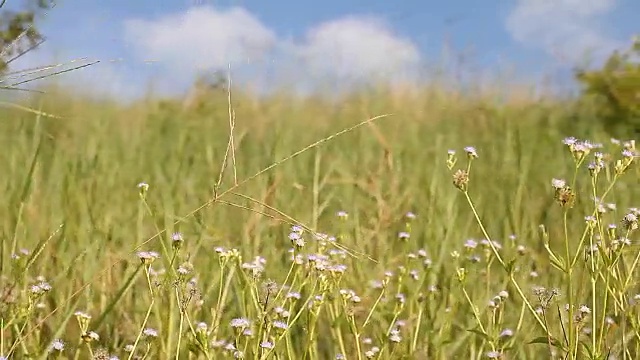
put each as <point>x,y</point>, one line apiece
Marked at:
<point>410,215</point>
<point>143,187</point>
<point>558,183</point>
<point>57,345</point>
<point>611,230</point>
<point>83,320</point>
<point>337,268</point>
<point>506,333</point>
<point>296,240</point>
<point>280,325</point>
<point>185,269</point>
<point>415,275</point>
<point>270,287</point>
<point>630,221</point>
<point>584,309</point>
<point>564,195</point>
<point>36,290</point>
<point>266,345</point>
<point>147,257</point>
<point>240,323</point>
<point>177,240</point>
<point>370,354</point>
<point>624,241</point>
<point>342,214</point>
<point>256,267</point>
<point>150,333</point>
<point>582,148</point>
<point>471,152</point>
<point>595,167</point>
<point>628,154</point>
<point>494,355</point>
<point>128,348</point>
<point>451,159</point>
<point>339,357</point>
<point>403,235</point>
<point>278,309</point>
<point>44,286</point>
<point>90,336</point>
<point>394,336</point>
<point>539,291</point>
<point>470,244</point>
<point>461,179</point>
<point>569,141</point>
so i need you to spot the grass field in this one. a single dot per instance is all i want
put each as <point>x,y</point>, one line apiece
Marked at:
<point>120,236</point>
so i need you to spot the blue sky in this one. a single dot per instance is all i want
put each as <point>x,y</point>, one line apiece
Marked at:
<point>331,42</point>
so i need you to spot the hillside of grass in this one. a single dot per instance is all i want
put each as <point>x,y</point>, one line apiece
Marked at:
<point>120,236</point>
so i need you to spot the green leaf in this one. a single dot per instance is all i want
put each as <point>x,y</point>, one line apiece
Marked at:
<point>480,333</point>
<point>546,340</point>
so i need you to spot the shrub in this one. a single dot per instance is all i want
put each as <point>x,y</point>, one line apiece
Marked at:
<point>614,91</point>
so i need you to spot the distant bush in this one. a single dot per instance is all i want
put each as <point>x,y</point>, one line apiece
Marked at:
<point>614,91</point>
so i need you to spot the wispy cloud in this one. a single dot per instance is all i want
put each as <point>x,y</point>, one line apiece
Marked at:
<point>565,29</point>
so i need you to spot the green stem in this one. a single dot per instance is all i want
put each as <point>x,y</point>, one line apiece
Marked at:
<point>504,266</point>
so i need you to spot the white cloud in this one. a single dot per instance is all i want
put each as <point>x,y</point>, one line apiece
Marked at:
<point>201,38</point>
<point>568,29</point>
<point>206,38</point>
<point>357,48</point>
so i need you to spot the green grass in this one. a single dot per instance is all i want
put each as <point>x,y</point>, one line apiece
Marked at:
<point>73,216</point>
